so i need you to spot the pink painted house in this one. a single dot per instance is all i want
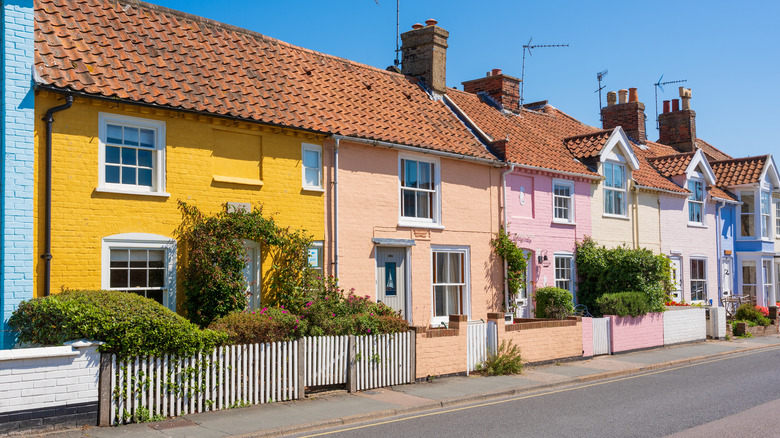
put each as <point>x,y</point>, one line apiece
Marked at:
<point>546,191</point>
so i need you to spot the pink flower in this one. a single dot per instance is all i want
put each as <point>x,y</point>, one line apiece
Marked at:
<point>284,311</point>
<point>369,330</point>
<point>333,314</point>
<point>326,298</point>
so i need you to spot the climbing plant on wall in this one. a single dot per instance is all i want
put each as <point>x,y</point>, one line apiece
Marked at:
<point>215,258</point>
<point>505,246</point>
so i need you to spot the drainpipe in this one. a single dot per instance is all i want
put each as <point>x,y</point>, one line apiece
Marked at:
<point>635,228</point>
<point>46,256</point>
<point>506,229</point>
<point>336,207</point>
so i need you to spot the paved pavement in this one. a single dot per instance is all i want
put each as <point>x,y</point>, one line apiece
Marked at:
<point>338,407</point>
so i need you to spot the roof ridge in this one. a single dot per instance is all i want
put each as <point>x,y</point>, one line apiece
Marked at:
<point>661,157</point>
<point>732,160</point>
<point>589,134</point>
<point>248,32</point>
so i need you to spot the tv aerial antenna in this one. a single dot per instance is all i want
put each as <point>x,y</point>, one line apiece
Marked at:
<point>599,77</point>
<point>528,47</point>
<point>396,62</point>
<point>660,85</point>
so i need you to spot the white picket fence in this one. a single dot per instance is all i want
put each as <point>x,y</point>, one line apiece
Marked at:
<point>237,375</point>
<point>383,360</point>
<point>481,341</point>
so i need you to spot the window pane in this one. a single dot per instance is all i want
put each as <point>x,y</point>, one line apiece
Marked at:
<point>312,176</point>
<point>118,278</point>
<point>147,138</point>
<point>156,258</point>
<point>138,258</point>
<point>119,258</point>
<point>441,276</point>
<point>112,155</point>
<point>112,174</point>
<point>114,134</point>
<point>748,225</point>
<point>156,277</point>
<point>156,295</point>
<point>423,205</point>
<point>618,177</point>
<point>145,177</point>
<point>138,278</point>
<point>455,268</point>
<point>311,158</point>
<point>609,182</point>
<point>440,305</point>
<point>453,300</point>
<point>131,136</point>
<point>409,203</point>
<point>129,156</point>
<point>749,272</point>
<point>410,173</point>
<point>425,176</point>
<point>128,175</point>
<point>609,202</point>
<point>748,202</point>
<point>144,158</point>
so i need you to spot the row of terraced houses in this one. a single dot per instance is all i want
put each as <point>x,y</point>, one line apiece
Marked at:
<point>115,110</point>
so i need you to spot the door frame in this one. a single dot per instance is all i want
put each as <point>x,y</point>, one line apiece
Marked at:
<point>680,278</point>
<point>407,276</point>
<point>251,245</point>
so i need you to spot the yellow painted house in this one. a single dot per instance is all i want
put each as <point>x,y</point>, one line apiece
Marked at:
<point>118,170</point>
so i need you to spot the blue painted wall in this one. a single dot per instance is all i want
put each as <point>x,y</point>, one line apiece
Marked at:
<point>728,214</point>
<point>16,172</point>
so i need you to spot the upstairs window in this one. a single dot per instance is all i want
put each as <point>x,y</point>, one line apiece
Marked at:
<point>696,202</point>
<point>419,191</point>
<point>311,158</point>
<point>615,189</point>
<point>132,154</point>
<point>777,221</point>
<point>747,214</point>
<point>766,215</point>
<point>563,201</point>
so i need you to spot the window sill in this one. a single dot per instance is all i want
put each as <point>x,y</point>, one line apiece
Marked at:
<point>697,225</point>
<point>235,180</point>
<point>427,225</point>
<point>614,216</point>
<point>313,189</point>
<point>130,192</point>
<point>555,222</point>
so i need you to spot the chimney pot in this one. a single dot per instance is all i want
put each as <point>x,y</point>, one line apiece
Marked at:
<point>496,71</point>
<point>424,52</point>
<point>675,105</point>
<point>666,106</point>
<point>430,22</point>
<point>611,98</point>
<point>685,94</point>
<point>632,95</point>
<point>416,26</point>
<point>623,94</point>
<point>487,75</point>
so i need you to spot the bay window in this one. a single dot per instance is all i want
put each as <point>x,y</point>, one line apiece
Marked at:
<point>766,216</point>
<point>747,214</point>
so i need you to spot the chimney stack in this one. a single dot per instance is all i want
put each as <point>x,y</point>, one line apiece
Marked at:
<point>629,114</point>
<point>677,127</point>
<point>502,88</point>
<point>424,51</point>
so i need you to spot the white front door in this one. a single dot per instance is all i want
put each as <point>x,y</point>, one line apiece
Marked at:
<point>522,295</point>
<point>252,274</point>
<point>391,278</point>
<point>677,279</point>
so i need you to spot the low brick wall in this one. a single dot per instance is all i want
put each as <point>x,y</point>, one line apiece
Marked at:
<point>742,328</point>
<point>441,351</point>
<point>587,337</point>
<point>542,340</point>
<point>49,388</point>
<point>635,333</point>
<point>684,324</point>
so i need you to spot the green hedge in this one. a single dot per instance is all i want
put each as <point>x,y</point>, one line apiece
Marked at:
<point>749,312</point>
<point>553,302</point>
<point>127,323</point>
<point>624,304</point>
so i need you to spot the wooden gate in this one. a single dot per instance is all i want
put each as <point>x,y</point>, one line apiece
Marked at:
<point>602,341</point>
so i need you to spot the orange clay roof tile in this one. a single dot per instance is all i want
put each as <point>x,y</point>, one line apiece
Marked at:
<point>739,170</point>
<point>153,55</point>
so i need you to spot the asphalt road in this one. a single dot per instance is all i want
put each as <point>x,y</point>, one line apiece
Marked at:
<point>732,396</point>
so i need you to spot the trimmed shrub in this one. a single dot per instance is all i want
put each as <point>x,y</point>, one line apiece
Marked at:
<point>749,312</point>
<point>624,303</point>
<point>506,360</point>
<point>267,325</point>
<point>553,302</point>
<point>127,323</point>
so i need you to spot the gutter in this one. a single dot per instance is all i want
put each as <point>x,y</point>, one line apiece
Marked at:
<point>654,189</point>
<point>47,256</point>
<point>421,150</point>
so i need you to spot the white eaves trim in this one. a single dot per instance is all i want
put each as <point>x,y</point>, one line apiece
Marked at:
<point>699,161</point>
<point>619,139</point>
<point>770,169</point>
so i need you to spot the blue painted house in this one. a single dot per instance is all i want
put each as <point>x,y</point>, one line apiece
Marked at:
<point>16,172</point>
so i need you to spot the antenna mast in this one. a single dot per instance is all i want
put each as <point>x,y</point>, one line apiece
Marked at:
<point>660,85</point>
<point>528,47</point>
<point>600,77</point>
<point>397,31</point>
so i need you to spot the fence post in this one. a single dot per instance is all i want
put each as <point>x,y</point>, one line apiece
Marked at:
<point>351,364</point>
<point>104,390</point>
<point>412,356</point>
<point>301,369</point>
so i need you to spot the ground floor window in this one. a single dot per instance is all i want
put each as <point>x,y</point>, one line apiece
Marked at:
<point>749,278</point>
<point>698,280</point>
<point>144,264</point>
<point>450,283</point>
<point>564,272</point>
<point>777,280</point>
<point>768,286</point>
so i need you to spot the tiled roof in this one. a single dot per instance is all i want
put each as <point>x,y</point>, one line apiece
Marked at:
<point>717,192</point>
<point>648,176</point>
<point>672,165</point>
<point>739,170</point>
<point>712,153</point>
<point>533,138</point>
<point>143,53</point>
<point>587,145</point>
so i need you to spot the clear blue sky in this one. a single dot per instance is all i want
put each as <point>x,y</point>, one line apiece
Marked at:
<point>728,51</point>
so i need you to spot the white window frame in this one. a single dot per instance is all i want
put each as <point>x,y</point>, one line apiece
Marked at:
<point>572,272</point>
<point>570,209</point>
<point>765,213</point>
<point>703,280</point>
<point>142,241</point>
<point>158,155</point>
<point>777,281</point>
<point>608,189</point>
<point>741,260</point>
<point>740,214</point>
<point>767,266</point>
<point>311,148</point>
<point>435,221</point>
<point>465,305</point>
<point>693,201</point>
<point>777,220</point>
<point>317,249</point>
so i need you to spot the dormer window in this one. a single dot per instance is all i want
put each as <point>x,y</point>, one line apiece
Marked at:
<point>747,214</point>
<point>696,202</point>
<point>615,189</point>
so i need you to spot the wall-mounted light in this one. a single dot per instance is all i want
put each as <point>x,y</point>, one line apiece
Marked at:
<point>542,257</point>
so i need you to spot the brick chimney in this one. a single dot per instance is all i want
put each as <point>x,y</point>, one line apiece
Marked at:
<point>424,51</point>
<point>500,87</point>
<point>628,112</point>
<point>677,127</point>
